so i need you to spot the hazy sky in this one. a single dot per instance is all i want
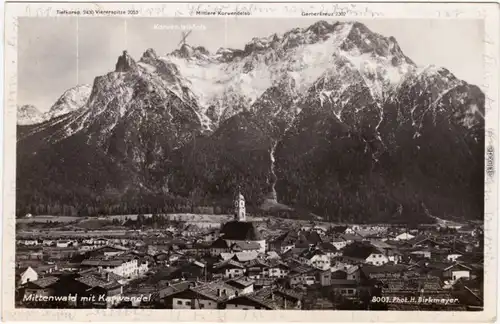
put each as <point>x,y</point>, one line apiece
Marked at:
<point>55,54</point>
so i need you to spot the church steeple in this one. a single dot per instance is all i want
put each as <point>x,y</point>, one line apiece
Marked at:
<point>239,206</point>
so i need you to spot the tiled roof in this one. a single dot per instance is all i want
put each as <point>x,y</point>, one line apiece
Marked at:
<point>210,290</point>
<point>95,272</point>
<point>361,251</point>
<point>45,282</point>
<point>256,263</point>
<point>228,264</point>
<point>94,281</point>
<point>247,245</point>
<point>241,282</point>
<point>308,254</point>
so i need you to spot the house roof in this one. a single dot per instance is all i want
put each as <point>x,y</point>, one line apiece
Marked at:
<point>327,247</point>
<point>228,264</point>
<point>210,290</point>
<point>287,238</point>
<point>94,281</point>
<point>249,246</point>
<point>460,265</point>
<point>261,297</point>
<point>256,263</point>
<point>245,256</point>
<point>219,243</point>
<point>44,282</point>
<point>301,269</point>
<point>174,288</point>
<point>360,251</point>
<point>309,254</point>
<point>95,272</point>
<point>241,282</point>
<point>240,231</point>
<point>386,268</point>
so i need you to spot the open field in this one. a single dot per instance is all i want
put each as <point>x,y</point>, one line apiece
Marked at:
<point>194,218</point>
<point>48,218</point>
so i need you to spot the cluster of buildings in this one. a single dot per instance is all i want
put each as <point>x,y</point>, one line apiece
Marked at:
<point>245,265</point>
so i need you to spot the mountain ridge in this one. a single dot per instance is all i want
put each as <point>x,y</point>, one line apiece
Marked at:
<point>297,118</point>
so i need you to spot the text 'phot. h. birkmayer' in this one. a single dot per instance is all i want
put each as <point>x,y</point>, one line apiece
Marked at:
<point>281,159</point>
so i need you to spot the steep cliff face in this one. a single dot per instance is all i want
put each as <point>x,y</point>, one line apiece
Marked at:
<point>333,118</point>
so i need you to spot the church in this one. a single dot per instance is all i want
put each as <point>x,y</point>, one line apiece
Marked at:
<point>239,230</point>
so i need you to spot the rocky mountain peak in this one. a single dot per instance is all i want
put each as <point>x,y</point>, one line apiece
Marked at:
<point>125,63</point>
<point>149,54</point>
<point>29,115</point>
<point>72,99</point>
<point>363,40</point>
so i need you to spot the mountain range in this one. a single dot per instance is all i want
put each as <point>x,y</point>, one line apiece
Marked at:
<point>333,119</point>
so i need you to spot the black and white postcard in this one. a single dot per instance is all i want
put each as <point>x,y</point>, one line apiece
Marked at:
<point>295,162</point>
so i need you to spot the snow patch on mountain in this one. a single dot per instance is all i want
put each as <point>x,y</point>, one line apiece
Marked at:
<point>29,115</point>
<point>232,80</point>
<point>71,100</point>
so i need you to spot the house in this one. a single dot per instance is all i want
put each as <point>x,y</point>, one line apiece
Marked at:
<point>321,230</point>
<point>256,269</point>
<point>48,242</point>
<point>191,271</point>
<point>30,242</point>
<point>350,238</point>
<point>302,275</point>
<point>469,292</point>
<point>365,253</point>
<point>353,273</point>
<point>316,258</point>
<point>423,253</point>
<point>94,290</point>
<point>266,298</point>
<point>245,256</point>
<point>65,243</point>
<point>424,242</point>
<point>243,284</point>
<point>228,269</point>
<point>166,291</point>
<point>272,255</point>
<point>124,265</point>
<point>25,275</point>
<point>284,242</point>
<point>457,271</point>
<point>264,283</point>
<point>452,257</point>
<point>107,251</point>
<point>324,277</point>
<point>210,236</point>
<point>204,296</point>
<point>338,274</point>
<point>277,269</point>
<point>329,249</point>
<point>404,236</point>
<point>339,243</point>
<point>390,251</point>
<point>241,246</point>
<point>219,246</point>
<point>34,290</point>
<point>345,288</point>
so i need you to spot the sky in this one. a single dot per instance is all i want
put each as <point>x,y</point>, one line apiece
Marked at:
<point>56,54</point>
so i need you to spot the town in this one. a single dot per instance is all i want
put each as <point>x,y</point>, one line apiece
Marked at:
<point>243,262</point>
